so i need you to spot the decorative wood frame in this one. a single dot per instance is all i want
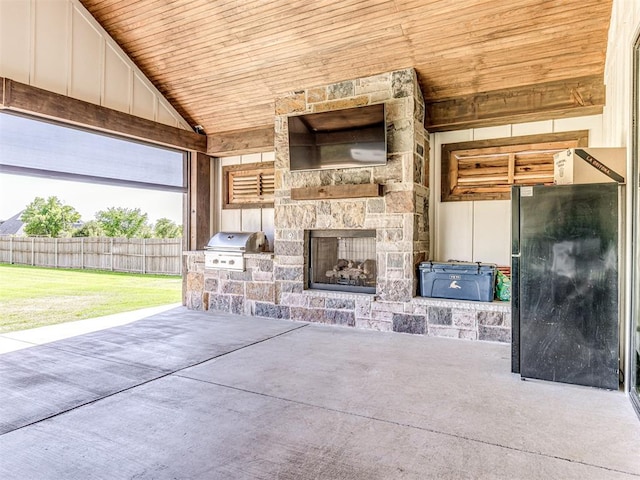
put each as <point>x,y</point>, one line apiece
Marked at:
<point>486,169</point>
<point>250,185</point>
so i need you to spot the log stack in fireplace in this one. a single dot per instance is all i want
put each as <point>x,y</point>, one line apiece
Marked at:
<point>349,272</point>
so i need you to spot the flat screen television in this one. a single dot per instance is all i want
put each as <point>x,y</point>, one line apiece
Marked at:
<point>352,137</point>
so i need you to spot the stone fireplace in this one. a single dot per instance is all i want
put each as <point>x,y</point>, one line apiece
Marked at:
<point>350,259</point>
<point>398,218</point>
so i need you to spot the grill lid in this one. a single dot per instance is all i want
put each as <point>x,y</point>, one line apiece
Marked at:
<point>248,242</point>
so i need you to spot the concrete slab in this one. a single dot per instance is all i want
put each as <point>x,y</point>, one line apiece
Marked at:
<point>175,339</point>
<point>180,428</point>
<point>11,345</point>
<point>196,395</point>
<point>43,381</point>
<point>40,382</point>
<point>462,388</point>
<point>13,341</point>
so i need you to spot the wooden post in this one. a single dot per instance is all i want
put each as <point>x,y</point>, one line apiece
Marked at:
<point>10,250</point>
<point>33,253</point>
<point>144,254</point>
<point>199,201</point>
<point>82,253</point>
<point>55,252</point>
<point>111,252</point>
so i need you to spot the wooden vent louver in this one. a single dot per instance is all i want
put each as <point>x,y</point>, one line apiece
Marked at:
<point>477,171</point>
<point>248,186</point>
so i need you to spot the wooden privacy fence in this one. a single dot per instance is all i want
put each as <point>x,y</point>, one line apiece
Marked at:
<point>136,255</point>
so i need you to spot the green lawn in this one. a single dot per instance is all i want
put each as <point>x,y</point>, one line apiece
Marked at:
<point>33,297</point>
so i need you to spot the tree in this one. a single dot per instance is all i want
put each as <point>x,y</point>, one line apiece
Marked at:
<point>123,222</point>
<point>92,228</point>
<point>49,217</point>
<point>145,232</point>
<point>166,228</point>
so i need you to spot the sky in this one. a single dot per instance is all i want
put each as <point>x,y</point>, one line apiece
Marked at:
<point>17,191</point>
<point>26,143</point>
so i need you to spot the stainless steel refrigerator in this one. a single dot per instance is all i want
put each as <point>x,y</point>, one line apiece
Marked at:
<point>565,283</point>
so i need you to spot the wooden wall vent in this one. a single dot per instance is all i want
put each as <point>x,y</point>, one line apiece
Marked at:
<point>486,170</point>
<point>248,186</point>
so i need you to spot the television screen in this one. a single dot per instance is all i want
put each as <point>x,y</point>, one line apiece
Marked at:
<point>353,137</point>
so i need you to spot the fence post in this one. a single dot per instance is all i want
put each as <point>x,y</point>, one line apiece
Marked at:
<point>55,252</point>
<point>82,253</point>
<point>144,255</point>
<point>111,254</point>
<point>10,250</point>
<point>33,254</point>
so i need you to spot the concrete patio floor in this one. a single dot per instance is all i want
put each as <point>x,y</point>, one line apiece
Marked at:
<point>193,395</point>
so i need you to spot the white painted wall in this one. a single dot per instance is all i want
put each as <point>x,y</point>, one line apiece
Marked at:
<point>625,25</point>
<point>480,231</point>
<point>244,219</point>
<point>617,132</point>
<point>58,46</point>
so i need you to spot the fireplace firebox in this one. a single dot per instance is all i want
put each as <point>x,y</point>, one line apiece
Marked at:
<point>343,260</point>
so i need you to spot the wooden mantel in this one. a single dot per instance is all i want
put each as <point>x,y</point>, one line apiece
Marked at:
<point>328,192</point>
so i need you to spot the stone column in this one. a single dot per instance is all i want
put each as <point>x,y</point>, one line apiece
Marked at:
<point>399,217</point>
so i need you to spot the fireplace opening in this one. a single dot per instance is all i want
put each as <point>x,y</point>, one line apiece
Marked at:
<point>343,260</point>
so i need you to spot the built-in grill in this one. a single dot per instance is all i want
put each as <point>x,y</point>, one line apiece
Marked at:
<point>226,250</point>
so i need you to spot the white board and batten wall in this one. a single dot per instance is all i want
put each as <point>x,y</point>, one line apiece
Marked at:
<point>58,46</point>
<point>480,231</point>
<point>244,219</point>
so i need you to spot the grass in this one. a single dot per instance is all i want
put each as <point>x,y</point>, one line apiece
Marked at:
<point>34,297</point>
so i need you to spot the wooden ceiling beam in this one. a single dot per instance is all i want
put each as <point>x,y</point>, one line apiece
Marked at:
<point>20,97</point>
<point>241,142</point>
<point>544,101</point>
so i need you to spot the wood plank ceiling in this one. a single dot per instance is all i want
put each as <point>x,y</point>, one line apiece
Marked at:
<point>222,63</point>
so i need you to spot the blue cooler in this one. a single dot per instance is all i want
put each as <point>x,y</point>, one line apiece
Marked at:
<point>458,280</point>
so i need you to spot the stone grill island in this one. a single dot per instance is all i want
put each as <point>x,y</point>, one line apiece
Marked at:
<point>310,276</point>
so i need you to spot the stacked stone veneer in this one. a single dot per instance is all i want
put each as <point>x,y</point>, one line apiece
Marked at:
<point>274,285</point>
<point>253,293</point>
<point>400,216</point>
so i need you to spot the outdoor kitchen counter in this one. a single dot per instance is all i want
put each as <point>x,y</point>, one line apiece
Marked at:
<point>249,255</point>
<point>261,255</point>
<point>256,292</point>
<point>198,256</point>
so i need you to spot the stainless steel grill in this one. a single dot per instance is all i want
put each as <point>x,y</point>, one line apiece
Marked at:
<point>226,250</point>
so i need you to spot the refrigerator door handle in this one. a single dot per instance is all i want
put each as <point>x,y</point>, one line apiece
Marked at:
<point>515,221</point>
<point>515,284</point>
